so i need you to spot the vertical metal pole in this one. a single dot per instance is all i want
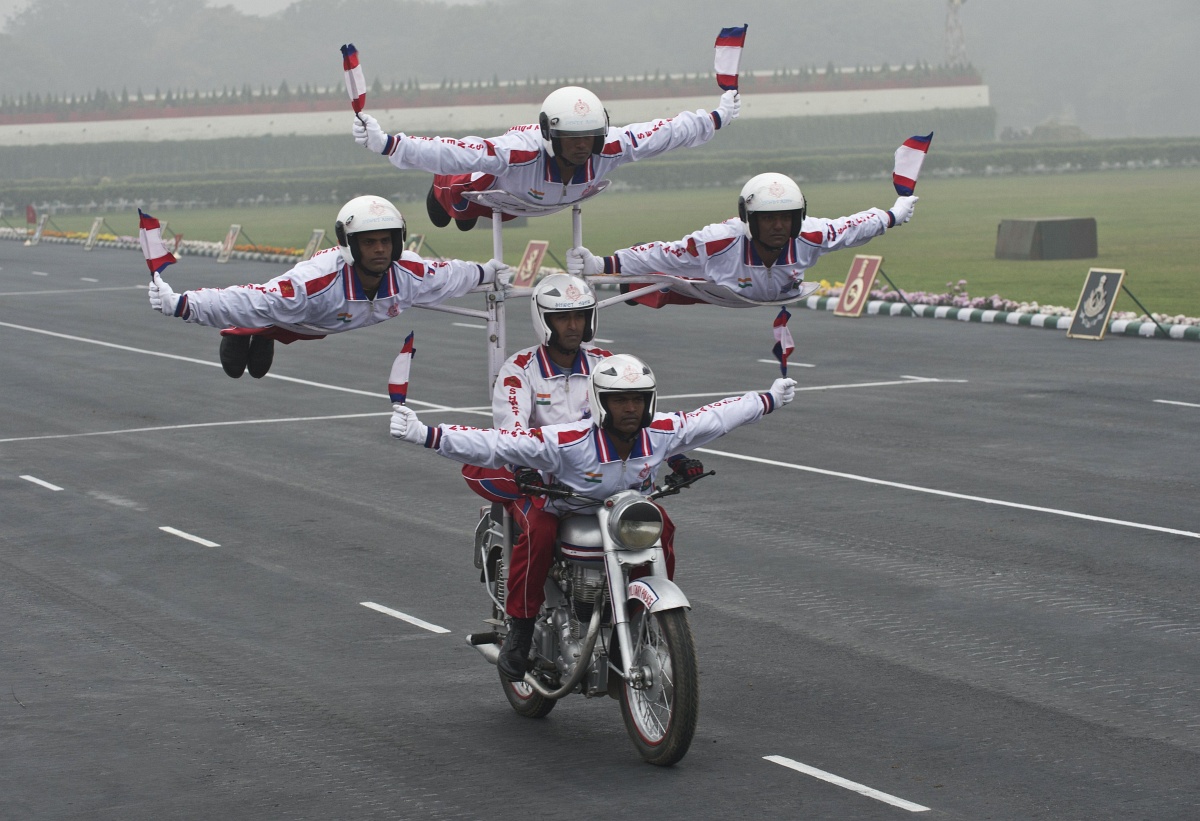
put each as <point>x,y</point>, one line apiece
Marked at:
<point>576,226</point>
<point>497,239</point>
<point>495,309</point>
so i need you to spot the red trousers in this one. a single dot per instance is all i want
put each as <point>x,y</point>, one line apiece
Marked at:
<point>448,191</point>
<point>533,552</point>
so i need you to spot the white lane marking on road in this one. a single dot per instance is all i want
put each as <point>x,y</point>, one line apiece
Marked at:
<point>861,789</point>
<point>183,535</point>
<point>73,291</point>
<point>790,364</point>
<point>88,279</point>
<point>476,411</point>
<point>469,325</point>
<point>39,273</point>
<point>38,481</point>
<point>904,380</point>
<point>374,394</point>
<point>603,341</point>
<point>950,494</point>
<point>413,620</point>
<point>1172,402</point>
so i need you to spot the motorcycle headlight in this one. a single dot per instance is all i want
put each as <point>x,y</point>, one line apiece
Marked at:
<point>635,524</point>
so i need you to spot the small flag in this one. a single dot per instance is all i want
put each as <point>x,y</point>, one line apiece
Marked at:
<point>150,237</point>
<point>30,214</point>
<point>398,380</point>
<point>356,84</point>
<point>909,158</point>
<point>729,56</point>
<point>783,340</point>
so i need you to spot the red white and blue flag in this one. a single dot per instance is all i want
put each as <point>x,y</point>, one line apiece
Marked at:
<point>729,56</point>
<point>150,237</point>
<point>398,380</point>
<point>909,158</point>
<point>356,83</point>
<point>783,340</point>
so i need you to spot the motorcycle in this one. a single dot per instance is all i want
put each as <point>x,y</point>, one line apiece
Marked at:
<point>612,625</point>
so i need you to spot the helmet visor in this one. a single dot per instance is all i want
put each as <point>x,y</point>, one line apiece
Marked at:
<point>559,133</point>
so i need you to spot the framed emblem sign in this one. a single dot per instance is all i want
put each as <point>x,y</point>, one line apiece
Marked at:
<point>1096,303</point>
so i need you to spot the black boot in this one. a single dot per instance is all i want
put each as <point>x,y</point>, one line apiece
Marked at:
<point>235,350</point>
<point>514,654</point>
<point>262,353</point>
<point>466,224</point>
<point>437,214</point>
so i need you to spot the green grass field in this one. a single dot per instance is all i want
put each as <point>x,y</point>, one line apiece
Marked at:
<point>1146,223</point>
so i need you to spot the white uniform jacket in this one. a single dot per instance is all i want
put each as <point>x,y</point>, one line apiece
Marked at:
<point>723,254</point>
<point>519,161</point>
<point>581,455</point>
<point>531,392</point>
<point>322,295</point>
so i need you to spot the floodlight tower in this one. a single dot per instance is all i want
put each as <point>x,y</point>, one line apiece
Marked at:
<point>956,43</point>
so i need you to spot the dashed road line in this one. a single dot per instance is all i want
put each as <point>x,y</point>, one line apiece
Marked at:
<point>184,535</point>
<point>38,481</point>
<point>1173,402</point>
<point>413,620</point>
<point>854,786</point>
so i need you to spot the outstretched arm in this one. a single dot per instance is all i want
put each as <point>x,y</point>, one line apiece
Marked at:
<point>705,424</point>
<point>438,155</point>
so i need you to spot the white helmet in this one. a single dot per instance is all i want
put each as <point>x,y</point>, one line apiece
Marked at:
<point>770,192</point>
<point>572,111</point>
<point>621,373</point>
<point>368,214</point>
<point>560,293</point>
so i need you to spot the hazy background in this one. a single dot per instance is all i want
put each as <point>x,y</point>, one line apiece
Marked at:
<point>1116,69</point>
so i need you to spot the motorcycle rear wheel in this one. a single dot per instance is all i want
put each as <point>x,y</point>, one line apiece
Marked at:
<point>525,700</point>
<point>661,718</point>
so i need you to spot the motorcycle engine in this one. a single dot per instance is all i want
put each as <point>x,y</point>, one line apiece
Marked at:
<point>586,584</point>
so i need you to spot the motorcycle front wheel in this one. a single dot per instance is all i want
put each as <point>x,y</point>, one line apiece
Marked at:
<point>660,716</point>
<point>525,700</point>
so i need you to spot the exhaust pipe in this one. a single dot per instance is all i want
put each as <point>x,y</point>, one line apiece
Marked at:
<point>491,652</point>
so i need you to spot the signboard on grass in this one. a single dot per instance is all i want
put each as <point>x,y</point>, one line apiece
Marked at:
<point>858,285</point>
<point>1096,303</point>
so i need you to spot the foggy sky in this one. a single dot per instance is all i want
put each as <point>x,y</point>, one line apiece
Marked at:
<point>1114,68</point>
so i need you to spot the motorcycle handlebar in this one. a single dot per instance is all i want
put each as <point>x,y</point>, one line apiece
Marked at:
<point>676,484</point>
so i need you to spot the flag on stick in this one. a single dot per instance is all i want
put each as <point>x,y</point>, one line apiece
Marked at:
<point>729,56</point>
<point>30,214</point>
<point>784,345</point>
<point>356,84</point>
<point>909,158</point>
<point>153,248</point>
<point>398,380</point>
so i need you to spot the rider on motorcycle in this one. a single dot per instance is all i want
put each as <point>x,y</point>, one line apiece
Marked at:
<point>546,384</point>
<point>622,446</point>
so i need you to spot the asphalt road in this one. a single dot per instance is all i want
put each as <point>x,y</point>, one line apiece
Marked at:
<point>959,572</point>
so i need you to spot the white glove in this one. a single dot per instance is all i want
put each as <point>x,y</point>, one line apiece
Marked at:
<point>368,133</point>
<point>582,262</point>
<point>902,211</point>
<point>496,271</point>
<point>162,298</point>
<point>405,425</point>
<point>730,107</point>
<point>783,391</point>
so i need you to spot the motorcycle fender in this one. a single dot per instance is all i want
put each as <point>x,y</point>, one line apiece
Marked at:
<point>657,594</point>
